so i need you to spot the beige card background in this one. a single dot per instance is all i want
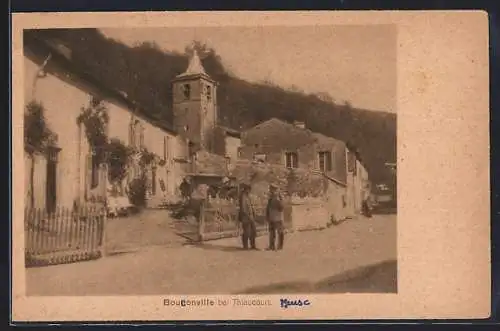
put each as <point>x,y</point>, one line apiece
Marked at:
<point>443,172</point>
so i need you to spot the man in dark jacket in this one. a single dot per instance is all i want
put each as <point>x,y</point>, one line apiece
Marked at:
<point>274,214</point>
<point>247,217</point>
<point>185,189</point>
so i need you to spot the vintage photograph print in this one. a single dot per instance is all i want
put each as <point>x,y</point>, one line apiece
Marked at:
<point>250,166</point>
<point>179,166</point>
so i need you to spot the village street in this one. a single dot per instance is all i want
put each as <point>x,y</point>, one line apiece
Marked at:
<point>221,267</point>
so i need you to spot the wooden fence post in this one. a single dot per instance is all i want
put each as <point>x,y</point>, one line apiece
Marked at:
<point>104,251</point>
<point>201,221</point>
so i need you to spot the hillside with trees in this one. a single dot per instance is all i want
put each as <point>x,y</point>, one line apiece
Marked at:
<point>144,73</point>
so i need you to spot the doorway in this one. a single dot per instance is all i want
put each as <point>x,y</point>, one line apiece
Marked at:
<point>51,187</point>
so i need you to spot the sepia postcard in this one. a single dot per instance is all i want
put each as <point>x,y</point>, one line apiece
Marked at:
<point>250,166</point>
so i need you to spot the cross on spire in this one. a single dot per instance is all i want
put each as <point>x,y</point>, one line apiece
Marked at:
<point>195,67</point>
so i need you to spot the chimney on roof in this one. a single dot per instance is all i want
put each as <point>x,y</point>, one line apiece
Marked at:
<point>300,124</point>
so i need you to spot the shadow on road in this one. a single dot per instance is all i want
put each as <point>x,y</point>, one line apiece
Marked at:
<point>215,247</point>
<point>376,278</point>
<point>385,211</point>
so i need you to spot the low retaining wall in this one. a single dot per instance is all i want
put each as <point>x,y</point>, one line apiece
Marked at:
<point>221,221</point>
<point>309,216</point>
<point>299,215</point>
<point>312,200</point>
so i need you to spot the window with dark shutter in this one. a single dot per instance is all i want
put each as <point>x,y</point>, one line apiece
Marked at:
<point>325,161</point>
<point>291,160</point>
<point>153,180</point>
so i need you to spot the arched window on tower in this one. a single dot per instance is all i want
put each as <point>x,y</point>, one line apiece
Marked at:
<point>186,90</point>
<point>209,93</point>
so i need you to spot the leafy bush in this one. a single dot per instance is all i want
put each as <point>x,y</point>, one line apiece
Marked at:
<point>118,160</point>
<point>147,158</point>
<point>137,191</point>
<point>299,182</point>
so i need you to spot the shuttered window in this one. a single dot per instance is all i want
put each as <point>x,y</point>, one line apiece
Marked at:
<point>291,160</point>
<point>94,171</point>
<point>153,180</point>
<point>325,161</point>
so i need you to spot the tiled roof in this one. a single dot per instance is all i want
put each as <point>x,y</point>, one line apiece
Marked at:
<point>230,132</point>
<point>313,134</point>
<point>321,137</point>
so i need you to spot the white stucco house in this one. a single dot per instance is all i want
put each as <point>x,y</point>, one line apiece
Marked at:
<point>358,182</point>
<point>66,173</point>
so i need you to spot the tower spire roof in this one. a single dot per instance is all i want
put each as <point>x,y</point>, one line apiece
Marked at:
<point>195,67</point>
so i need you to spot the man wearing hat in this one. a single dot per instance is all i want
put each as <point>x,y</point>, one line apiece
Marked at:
<point>247,217</point>
<point>274,213</point>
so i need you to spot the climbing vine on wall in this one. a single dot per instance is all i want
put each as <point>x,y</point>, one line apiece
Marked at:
<point>147,158</point>
<point>95,119</point>
<point>118,158</point>
<point>37,134</point>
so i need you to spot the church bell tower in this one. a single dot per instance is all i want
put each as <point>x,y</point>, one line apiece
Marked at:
<point>195,105</point>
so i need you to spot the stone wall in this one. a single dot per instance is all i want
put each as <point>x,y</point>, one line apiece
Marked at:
<point>309,214</point>
<point>290,181</point>
<point>314,199</point>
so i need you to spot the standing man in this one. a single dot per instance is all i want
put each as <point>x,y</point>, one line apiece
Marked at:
<point>274,214</point>
<point>185,189</point>
<point>247,217</point>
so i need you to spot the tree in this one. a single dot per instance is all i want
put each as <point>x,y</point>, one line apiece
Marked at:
<point>37,137</point>
<point>144,72</point>
<point>323,96</point>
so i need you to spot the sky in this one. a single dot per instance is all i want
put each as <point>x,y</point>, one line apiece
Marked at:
<point>351,63</point>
